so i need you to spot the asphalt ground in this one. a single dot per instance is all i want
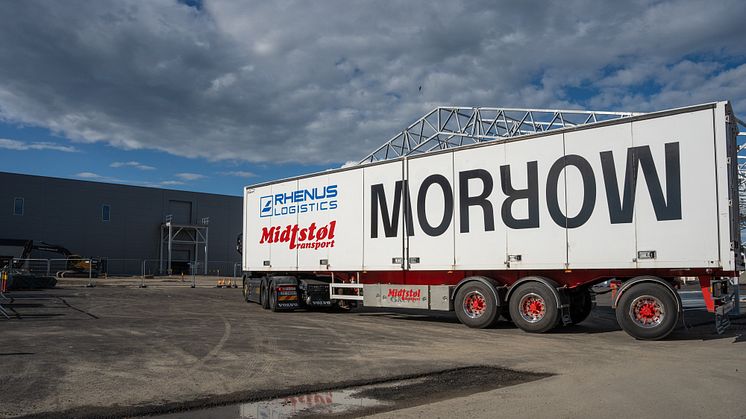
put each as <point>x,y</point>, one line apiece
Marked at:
<point>119,350</point>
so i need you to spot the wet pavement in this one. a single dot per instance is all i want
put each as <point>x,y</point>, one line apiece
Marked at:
<point>368,399</point>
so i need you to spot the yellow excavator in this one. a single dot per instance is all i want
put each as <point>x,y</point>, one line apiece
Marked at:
<point>75,265</point>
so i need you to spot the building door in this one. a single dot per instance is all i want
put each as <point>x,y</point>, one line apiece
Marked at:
<point>181,211</point>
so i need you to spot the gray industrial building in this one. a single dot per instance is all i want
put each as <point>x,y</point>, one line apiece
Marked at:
<point>130,226</point>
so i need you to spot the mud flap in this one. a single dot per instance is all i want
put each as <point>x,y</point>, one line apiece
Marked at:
<point>565,318</point>
<point>722,320</point>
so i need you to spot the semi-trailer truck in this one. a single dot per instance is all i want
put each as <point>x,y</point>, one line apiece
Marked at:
<point>520,228</point>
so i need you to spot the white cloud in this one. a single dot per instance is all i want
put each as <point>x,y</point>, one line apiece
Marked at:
<point>134,164</point>
<point>89,175</point>
<point>171,183</point>
<point>238,173</point>
<point>231,82</point>
<point>25,146</point>
<point>190,176</point>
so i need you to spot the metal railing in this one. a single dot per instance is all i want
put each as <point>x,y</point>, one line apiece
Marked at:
<point>113,267</point>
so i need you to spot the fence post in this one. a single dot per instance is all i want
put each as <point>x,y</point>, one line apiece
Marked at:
<point>142,277</point>
<point>90,274</point>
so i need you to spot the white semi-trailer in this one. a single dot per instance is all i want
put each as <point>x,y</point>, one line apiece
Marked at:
<point>521,228</point>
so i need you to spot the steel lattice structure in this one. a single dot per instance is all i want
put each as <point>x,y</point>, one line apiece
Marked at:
<point>447,127</point>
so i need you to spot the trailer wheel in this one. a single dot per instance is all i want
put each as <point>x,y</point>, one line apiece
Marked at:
<point>533,308</point>
<point>245,290</point>
<point>263,296</point>
<point>647,311</point>
<point>581,304</point>
<point>476,305</point>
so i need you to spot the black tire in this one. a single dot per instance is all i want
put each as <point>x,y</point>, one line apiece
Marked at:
<point>273,299</point>
<point>245,290</point>
<point>651,303</point>
<point>264,296</point>
<point>581,304</point>
<point>468,297</point>
<point>544,314</point>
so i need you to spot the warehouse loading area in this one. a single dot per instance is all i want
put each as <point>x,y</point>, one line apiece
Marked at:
<point>119,350</point>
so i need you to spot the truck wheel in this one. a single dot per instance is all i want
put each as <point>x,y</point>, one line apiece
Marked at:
<point>533,308</point>
<point>245,290</point>
<point>476,306</point>
<point>264,296</point>
<point>273,299</point>
<point>581,304</point>
<point>647,311</point>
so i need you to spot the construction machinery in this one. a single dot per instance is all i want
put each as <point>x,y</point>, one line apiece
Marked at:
<point>25,272</point>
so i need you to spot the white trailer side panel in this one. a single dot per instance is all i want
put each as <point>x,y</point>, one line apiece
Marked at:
<point>256,255</point>
<point>381,249</point>
<point>432,207</point>
<point>691,240</point>
<point>598,243</point>
<point>476,245</point>
<point>311,258</point>
<point>347,253</point>
<point>542,246</point>
<point>339,212</point>
<point>374,204</point>
<point>283,219</point>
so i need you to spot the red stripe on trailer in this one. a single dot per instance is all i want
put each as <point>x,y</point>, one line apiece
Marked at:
<point>704,284</point>
<point>568,278</point>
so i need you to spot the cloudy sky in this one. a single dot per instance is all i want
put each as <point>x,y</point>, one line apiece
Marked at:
<point>212,95</point>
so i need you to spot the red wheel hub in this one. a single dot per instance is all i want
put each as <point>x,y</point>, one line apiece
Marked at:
<point>475,304</point>
<point>532,307</point>
<point>647,311</point>
<point>535,307</point>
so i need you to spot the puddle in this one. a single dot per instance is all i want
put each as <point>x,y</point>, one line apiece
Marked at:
<point>371,398</point>
<point>324,403</point>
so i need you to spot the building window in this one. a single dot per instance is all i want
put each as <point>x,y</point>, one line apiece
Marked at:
<point>18,206</point>
<point>106,212</point>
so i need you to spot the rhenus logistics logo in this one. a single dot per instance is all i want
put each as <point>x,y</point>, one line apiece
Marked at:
<point>299,201</point>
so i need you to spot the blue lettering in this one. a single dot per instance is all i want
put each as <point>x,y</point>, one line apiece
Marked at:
<point>331,191</point>
<point>299,201</point>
